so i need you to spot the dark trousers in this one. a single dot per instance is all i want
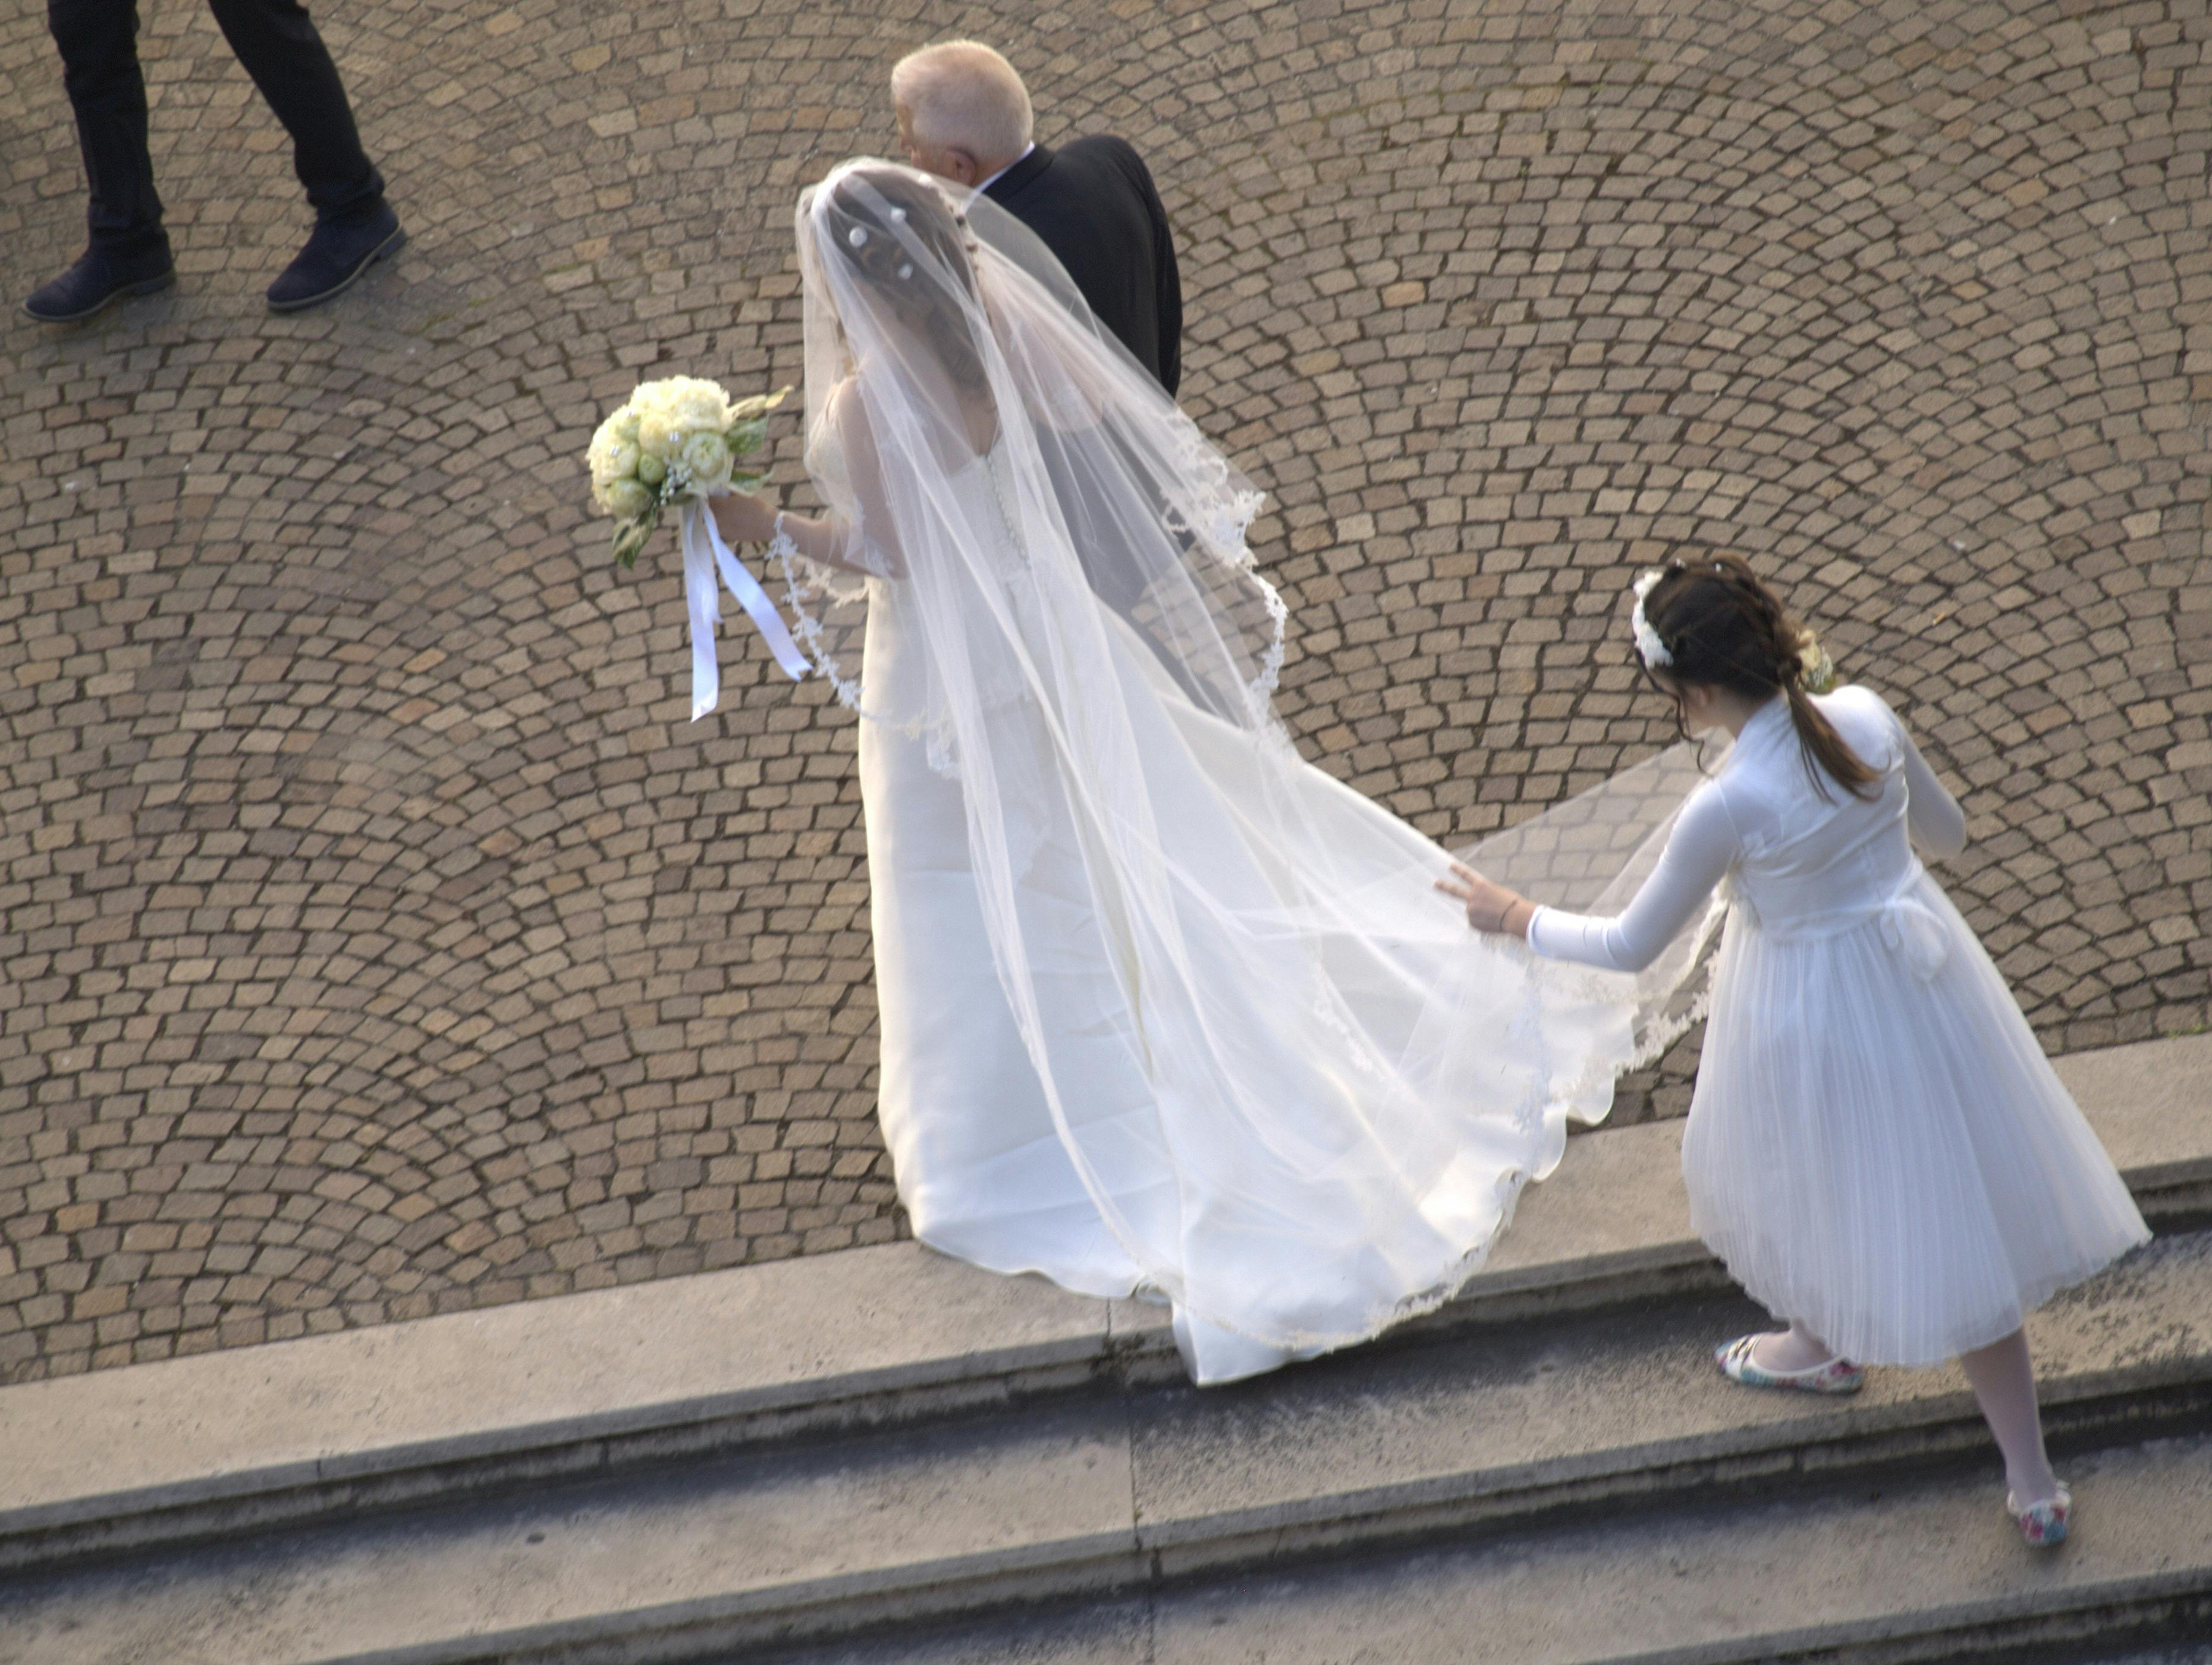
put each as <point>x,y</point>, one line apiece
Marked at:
<point>279,48</point>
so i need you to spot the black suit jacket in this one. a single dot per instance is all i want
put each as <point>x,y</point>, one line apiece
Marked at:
<point>1093,205</point>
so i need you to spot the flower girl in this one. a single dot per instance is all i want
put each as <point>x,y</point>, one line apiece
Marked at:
<point>1877,1147</point>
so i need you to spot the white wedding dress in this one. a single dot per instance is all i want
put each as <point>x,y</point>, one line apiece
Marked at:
<point>1165,1010</point>
<point>1151,1123</point>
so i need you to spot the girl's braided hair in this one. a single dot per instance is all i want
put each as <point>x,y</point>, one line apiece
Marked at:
<point>1722,626</point>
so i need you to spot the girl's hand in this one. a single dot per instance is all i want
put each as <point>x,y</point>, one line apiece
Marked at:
<point>1490,908</point>
<point>743,518</point>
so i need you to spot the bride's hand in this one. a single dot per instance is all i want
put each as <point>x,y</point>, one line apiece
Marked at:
<point>743,518</point>
<point>871,562</point>
<point>1490,908</point>
<point>746,520</point>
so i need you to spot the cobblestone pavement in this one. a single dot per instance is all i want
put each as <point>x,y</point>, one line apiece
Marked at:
<point>380,938</point>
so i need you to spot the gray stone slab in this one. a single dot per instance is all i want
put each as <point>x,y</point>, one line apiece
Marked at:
<point>1111,1632</point>
<point>1742,1583</point>
<point>1051,1502</point>
<point>1615,1204</point>
<point>1493,1427</point>
<point>738,1549</point>
<point>579,1366</point>
<point>2152,1105</point>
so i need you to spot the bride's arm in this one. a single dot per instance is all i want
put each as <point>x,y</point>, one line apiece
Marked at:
<point>826,538</point>
<point>830,538</point>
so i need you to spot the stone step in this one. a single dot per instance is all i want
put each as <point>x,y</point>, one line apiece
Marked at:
<point>688,1369</point>
<point>1920,1570</point>
<point>1483,1435</point>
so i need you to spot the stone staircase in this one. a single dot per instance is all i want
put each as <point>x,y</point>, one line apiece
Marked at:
<point>883,1455</point>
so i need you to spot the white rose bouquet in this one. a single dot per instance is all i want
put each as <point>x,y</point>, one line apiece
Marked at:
<point>674,442</point>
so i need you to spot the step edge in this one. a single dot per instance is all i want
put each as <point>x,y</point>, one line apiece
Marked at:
<point>1086,1564</point>
<point>1223,1543</point>
<point>1813,1434</point>
<point>1102,1563</point>
<point>1585,1269</point>
<point>2019,1608</point>
<point>565,1442</point>
<point>1003,1366</point>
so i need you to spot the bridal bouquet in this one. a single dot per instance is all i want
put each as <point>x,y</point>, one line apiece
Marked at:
<point>676,442</point>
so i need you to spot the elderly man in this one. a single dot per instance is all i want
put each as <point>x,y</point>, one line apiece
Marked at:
<point>964,115</point>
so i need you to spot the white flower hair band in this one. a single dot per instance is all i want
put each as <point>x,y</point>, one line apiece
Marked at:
<point>1648,643</point>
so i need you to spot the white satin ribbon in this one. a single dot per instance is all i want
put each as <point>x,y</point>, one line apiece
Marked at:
<point>1913,933</point>
<point>705,554</point>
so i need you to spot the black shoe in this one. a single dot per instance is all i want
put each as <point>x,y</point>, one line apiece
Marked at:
<point>335,256</point>
<point>97,282</point>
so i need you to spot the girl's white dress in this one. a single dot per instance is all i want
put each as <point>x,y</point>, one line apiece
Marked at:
<point>1877,1147</point>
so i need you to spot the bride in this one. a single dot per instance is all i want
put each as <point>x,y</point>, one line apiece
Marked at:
<point>1166,1010</point>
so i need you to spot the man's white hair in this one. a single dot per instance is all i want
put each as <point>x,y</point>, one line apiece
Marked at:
<point>960,94</point>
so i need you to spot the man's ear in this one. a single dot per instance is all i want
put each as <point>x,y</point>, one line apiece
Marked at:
<point>963,166</point>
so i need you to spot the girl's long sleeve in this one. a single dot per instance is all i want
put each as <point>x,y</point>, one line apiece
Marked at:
<point>1932,816</point>
<point>1699,852</point>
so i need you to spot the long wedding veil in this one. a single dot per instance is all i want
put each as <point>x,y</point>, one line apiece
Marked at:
<point>976,343</point>
<point>1301,1094</point>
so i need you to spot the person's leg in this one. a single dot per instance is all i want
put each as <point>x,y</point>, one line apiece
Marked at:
<point>277,44</point>
<point>1794,1357</point>
<point>126,252</point>
<point>1794,1349</point>
<point>98,42</point>
<point>354,226</point>
<point>2003,1376</point>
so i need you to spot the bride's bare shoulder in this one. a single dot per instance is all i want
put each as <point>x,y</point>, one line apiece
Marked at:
<point>843,411</point>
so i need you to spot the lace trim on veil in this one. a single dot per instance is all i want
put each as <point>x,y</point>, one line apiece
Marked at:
<point>1660,1029</point>
<point>1659,1032</point>
<point>1442,1288</point>
<point>802,578</point>
<point>1223,527</point>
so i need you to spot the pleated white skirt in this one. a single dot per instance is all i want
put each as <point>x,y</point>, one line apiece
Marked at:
<point>1878,1148</point>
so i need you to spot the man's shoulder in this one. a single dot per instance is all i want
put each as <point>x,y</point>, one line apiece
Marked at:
<point>1097,150</point>
<point>1102,166</point>
<point>1096,144</point>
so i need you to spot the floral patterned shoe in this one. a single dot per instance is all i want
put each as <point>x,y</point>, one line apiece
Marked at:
<point>2043,1524</point>
<point>1838,1375</point>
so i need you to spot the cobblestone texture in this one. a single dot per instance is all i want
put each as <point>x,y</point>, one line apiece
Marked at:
<point>377,937</point>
